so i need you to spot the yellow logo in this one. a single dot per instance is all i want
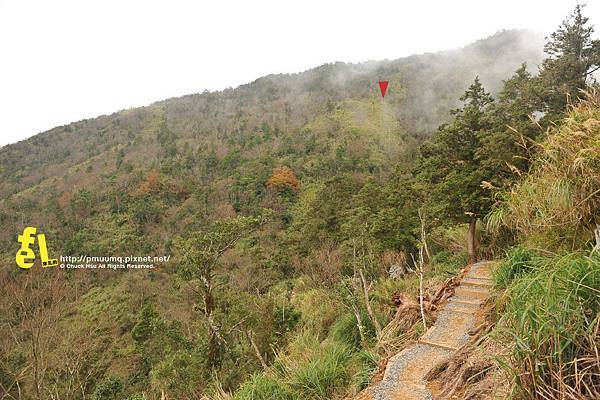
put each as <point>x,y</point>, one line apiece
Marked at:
<point>25,256</point>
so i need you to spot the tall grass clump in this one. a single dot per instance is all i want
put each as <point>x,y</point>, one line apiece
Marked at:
<point>263,387</point>
<point>312,370</point>
<point>519,260</point>
<point>556,205</point>
<point>323,374</point>
<point>551,325</point>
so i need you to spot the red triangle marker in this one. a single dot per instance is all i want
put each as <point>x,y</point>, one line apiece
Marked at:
<point>383,85</point>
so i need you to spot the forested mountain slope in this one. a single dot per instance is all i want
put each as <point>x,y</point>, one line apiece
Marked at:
<point>277,200</point>
<point>321,122</point>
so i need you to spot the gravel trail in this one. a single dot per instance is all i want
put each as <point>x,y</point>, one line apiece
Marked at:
<point>405,372</point>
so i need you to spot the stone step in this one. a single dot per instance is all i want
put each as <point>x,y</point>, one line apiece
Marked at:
<point>466,307</point>
<point>441,346</point>
<point>472,292</point>
<point>465,300</point>
<point>477,282</point>
<point>458,311</point>
<point>407,391</point>
<point>480,271</point>
<point>479,278</point>
<point>483,289</point>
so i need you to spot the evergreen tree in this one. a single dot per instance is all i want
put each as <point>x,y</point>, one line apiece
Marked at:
<point>449,166</point>
<point>504,151</point>
<point>573,56</point>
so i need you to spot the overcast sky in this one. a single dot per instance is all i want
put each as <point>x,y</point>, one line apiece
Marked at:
<point>62,61</point>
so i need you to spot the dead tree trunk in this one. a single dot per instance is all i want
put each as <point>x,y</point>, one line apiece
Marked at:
<point>359,323</point>
<point>214,339</point>
<point>419,267</point>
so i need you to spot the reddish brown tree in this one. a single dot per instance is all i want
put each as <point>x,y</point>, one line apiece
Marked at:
<point>283,178</point>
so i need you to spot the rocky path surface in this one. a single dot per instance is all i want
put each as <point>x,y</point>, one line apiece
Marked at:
<point>405,372</point>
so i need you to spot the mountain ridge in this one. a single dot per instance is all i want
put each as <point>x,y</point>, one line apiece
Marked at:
<point>536,36</point>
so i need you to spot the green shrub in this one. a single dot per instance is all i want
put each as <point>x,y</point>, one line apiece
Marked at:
<point>180,372</point>
<point>109,389</point>
<point>555,206</point>
<point>311,370</point>
<point>447,263</point>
